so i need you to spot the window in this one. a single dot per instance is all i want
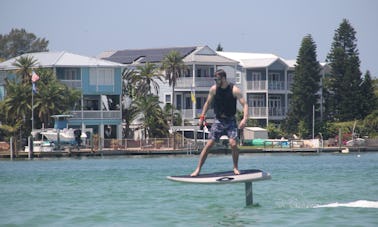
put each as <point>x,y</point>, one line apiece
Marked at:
<point>68,74</point>
<point>179,102</point>
<point>188,103</point>
<point>101,76</point>
<point>238,78</point>
<point>168,98</point>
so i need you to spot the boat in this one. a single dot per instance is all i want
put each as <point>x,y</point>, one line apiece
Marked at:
<point>40,143</point>
<point>61,134</point>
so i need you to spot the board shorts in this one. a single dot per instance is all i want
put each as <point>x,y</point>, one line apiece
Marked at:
<point>224,126</point>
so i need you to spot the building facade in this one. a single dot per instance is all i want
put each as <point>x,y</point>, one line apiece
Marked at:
<point>99,82</point>
<point>192,88</point>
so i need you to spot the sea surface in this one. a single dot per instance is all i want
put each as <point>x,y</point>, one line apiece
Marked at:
<point>305,190</point>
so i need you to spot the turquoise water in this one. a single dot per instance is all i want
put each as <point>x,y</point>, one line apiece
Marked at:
<point>305,190</point>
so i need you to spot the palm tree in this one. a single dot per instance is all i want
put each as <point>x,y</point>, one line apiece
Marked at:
<point>53,97</point>
<point>152,115</point>
<point>147,75</point>
<point>173,65</point>
<point>138,84</point>
<point>24,65</point>
<point>17,101</point>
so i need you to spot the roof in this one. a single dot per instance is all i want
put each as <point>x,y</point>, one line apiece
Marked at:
<point>189,54</point>
<point>249,60</point>
<point>60,59</point>
<point>146,55</point>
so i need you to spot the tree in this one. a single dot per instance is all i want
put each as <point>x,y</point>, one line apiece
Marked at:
<point>53,97</point>
<point>369,101</point>
<point>19,42</point>
<point>146,76</point>
<point>25,65</point>
<point>305,88</point>
<point>137,84</point>
<point>219,47</point>
<point>173,65</point>
<point>345,98</point>
<point>154,124</point>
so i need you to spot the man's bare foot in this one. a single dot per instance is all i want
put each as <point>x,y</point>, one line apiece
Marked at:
<point>195,173</point>
<point>236,171</point>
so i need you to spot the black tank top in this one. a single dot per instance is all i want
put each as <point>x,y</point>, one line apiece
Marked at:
<point>224,102</point>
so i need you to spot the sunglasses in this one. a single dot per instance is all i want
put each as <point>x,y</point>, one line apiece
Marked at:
<point>217,79</point>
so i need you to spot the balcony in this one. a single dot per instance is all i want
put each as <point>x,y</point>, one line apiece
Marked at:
<point>188,113</point>
<point>276,85</point>
<point>276,112</point>
<point>96,114</point>
<point>200,82</point>
<point>257,112</point>
<point>256,85</point>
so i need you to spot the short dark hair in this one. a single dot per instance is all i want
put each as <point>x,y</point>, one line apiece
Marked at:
<point>221,73</point>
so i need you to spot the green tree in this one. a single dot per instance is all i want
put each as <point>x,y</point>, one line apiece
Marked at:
<point>305,88</point>
<point>345,98</point>
<point>219,47</point>
<point>25,65</point>
<point>17,102</point>
<point>19,42</point>
<point>370,100</point>
<point>147,76</point>
<point>53,97</point>
<point>371,124</point>
<point>151,114</point>
<point>173,65</point>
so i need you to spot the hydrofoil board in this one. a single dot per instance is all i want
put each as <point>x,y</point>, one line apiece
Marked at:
<point>248,175</point>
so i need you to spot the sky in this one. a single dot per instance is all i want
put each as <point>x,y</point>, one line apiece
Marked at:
<point>89,27</point>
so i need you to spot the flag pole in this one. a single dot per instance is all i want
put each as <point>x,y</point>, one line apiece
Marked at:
<point>32,118</point>
<point>34,79</point>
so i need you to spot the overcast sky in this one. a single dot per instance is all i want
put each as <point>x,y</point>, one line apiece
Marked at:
<point>89,27</point>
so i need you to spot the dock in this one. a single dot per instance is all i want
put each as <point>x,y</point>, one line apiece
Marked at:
<point>120,152</point>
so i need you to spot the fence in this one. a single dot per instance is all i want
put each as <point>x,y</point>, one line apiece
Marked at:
<point>146,144</point>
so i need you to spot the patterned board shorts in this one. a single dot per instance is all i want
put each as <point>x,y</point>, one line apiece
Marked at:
<point>222,127</point>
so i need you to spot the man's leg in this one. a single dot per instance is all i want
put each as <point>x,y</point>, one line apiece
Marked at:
<point>202,157</point>
<point>235,155</point>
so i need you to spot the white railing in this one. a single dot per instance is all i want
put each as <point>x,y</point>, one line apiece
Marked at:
<point>96,114</point>
<point>187,82</point>
<point>276,85</point>
<point>188,113</point>
<point>257,112</point>
<point>256,85</point>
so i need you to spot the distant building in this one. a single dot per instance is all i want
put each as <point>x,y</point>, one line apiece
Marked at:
<point>265,79</point>
<point>201,63</point>
<point>98,80</point>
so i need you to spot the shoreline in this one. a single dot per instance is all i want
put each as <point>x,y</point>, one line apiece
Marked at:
<point>113,152</point>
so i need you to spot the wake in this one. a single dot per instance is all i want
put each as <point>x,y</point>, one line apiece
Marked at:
<point>358,203</point>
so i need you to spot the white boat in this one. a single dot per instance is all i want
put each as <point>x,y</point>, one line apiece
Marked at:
<point>61,134</point>
<point>40,143</point>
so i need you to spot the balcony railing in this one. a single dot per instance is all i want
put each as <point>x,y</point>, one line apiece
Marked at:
<point>256,85</point>
<point>257,112</point>
<point>276,85</point>
<point>207,82</point>
<point>188,113</point>
<point>96,114</point>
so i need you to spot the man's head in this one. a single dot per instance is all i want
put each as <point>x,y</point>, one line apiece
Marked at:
<point>220,77</point>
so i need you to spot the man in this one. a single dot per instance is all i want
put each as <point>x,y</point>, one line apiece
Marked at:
<point>224,95</point>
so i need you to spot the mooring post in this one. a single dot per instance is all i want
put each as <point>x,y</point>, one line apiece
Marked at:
<point>248,193</point>
<point>11,148</point>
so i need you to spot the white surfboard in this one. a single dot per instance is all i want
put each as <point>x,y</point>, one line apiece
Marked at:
<point>249,175</point>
